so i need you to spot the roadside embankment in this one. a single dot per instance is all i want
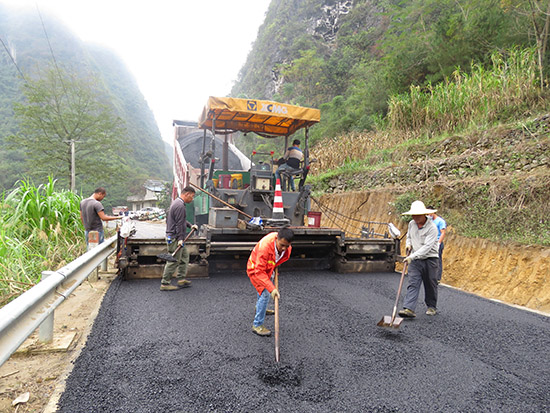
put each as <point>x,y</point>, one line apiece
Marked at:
<point>515,274</point>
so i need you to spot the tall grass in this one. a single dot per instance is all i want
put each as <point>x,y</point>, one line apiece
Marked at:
<point>40,229</point>
<point>509,88</point>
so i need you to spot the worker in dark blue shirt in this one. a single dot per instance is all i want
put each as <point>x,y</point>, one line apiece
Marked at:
<point>176,228</point>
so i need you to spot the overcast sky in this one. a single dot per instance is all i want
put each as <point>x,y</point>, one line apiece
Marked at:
<point>180,51</point>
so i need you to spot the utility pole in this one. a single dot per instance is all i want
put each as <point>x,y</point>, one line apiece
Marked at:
<point>73,173</point>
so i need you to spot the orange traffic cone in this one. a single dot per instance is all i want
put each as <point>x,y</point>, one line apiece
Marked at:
<point>278,211</point>
<point>278,215</point>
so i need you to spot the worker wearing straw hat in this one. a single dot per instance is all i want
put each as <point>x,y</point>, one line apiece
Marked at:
<point>423,260</point>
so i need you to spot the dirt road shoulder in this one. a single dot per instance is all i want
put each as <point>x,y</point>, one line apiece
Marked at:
<point>39,370</point>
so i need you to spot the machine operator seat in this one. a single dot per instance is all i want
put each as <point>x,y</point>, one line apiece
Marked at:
<point>287,175</point>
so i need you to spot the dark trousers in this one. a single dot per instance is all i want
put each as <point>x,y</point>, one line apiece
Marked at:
<point>422,272</point>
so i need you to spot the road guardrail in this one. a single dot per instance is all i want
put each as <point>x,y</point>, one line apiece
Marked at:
<point>35,307</point>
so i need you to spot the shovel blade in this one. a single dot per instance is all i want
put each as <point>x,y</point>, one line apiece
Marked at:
<point>387,322</point>
<point>166,257</point>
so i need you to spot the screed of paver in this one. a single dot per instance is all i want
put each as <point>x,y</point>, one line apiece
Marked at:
<point>193,350</point>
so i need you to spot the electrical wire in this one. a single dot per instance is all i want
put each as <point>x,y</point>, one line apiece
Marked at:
<point>339,220</point>
<point>13,60</point>
<point>51,50</point>
<point>345,216</point>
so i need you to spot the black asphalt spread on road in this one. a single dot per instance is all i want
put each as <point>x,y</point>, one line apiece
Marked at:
<point>192,350</point>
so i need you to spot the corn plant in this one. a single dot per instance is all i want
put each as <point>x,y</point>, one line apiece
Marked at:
<point>481,97</point>
<point>345,150</point>
<point>40,230</point>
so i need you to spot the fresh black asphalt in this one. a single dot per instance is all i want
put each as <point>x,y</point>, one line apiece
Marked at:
<point>192,350</point>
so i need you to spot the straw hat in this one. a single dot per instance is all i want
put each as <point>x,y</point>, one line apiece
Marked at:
<point>418,208</point>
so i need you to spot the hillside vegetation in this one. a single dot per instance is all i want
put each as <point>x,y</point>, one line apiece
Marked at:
<point>349,58</point>
<point>488,178</point>
<point>27,37</point>
<point>439,100</point>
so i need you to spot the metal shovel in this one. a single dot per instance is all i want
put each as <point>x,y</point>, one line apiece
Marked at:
<point>393,321</point>
<point>170,257</point>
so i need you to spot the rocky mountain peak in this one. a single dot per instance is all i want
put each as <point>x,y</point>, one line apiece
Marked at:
<point>326,26</point>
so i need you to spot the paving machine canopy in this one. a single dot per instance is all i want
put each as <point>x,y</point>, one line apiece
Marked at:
<point>267,119</point>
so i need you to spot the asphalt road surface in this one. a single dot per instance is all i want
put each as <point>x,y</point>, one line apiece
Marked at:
<point>192,350</point>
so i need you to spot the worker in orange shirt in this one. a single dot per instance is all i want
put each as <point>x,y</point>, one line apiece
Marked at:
<point>270,252</point>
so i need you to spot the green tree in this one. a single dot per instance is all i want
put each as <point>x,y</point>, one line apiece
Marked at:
<point>537,13</point>
<point>62,111</point>
<point>306,74</point>
<point>165,197</point>
<point>11,161</point>
<point>428,39</point>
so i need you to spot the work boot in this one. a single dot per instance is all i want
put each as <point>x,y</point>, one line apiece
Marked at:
<point>168,287</point>
<point>407,313</point>
<point>431,311</point>
<point>184,283</point>
<point>261,330</point>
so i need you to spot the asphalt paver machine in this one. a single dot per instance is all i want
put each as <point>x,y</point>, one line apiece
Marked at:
<point>235,195</point>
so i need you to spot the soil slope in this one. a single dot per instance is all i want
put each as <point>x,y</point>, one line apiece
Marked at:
<point>516,274</point>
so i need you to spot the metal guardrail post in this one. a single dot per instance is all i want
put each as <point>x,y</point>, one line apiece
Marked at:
<point>104,265</point>
<point>93,241</point>
<point>45,331</point>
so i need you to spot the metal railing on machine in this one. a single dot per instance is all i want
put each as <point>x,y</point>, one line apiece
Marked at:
<point>35,308</point>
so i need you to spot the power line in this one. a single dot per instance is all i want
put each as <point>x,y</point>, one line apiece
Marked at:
<point>51,50</point>
<point>13,60</point>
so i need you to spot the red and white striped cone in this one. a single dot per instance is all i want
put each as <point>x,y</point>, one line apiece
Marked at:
<point>278,216</point>
<point>278,211</point>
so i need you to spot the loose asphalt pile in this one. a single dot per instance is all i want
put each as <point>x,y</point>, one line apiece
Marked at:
<point>192,350</point>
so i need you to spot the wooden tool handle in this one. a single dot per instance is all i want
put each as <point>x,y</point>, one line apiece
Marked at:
<point>184,241</point>
<point>220,200</point>
<point>277,348</point>
<point>394,313</point>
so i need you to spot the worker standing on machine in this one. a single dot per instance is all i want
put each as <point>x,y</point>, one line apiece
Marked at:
<point>270,252</point>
